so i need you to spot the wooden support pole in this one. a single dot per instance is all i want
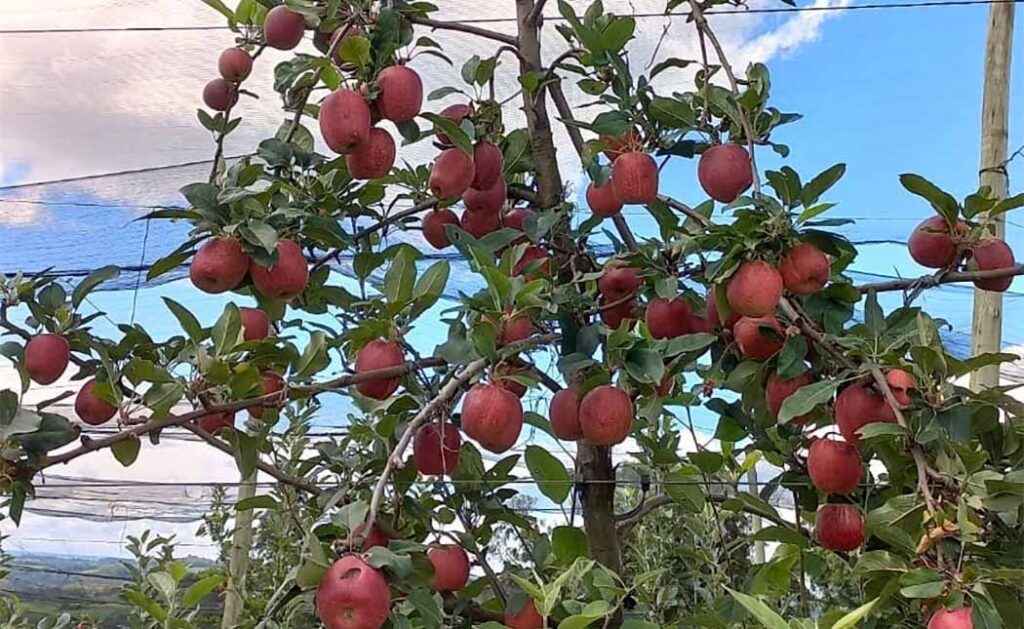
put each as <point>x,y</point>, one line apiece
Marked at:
<point>987,328</point>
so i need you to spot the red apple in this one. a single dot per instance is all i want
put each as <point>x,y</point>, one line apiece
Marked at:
<point>777,390</point>
<point>435,449</point>
<point>46,357</point>
<point>956,619</point>
<point>345,121</point>
<point>932,243</point>
<point>564,414</point>
<point>635,178</point>
<point>379,354</point>
<point>805,269</point>
<point>401,93</point>
<point>234,64</point>
<point>270,382</point>
<point>373,158</point>
<point>489,163</point>
<point>617,146</point>
<point>857,406</point>
<point>479,224</point>
<point>376,537</point>
<point>901,383</point>
<point>755,339</point>
<point>255,323</point>
<point>287,278</point>
<point>90,408</point>
<point>602,200</point>
<point>492,416</point>
<point>352,595</point>
<point>451,174</point>
<point>988,255</point>
<point>220,95</point>
<point>606,415</point>
<point>527,618</point>
<point>535,259</point>
<point>834,466</point>
<point>514,328</point>
<point>668,318</point>
<point>434,224</point>
<point>839,527</point>
<point>618,281</point>
<point>451,568</point>
<point>755,289</point>
<point>217,423</point>
<point>711,311</point>
<point>724,172</point>
<point>489,200</point>
<point>456,113</point>
<point>283,28</point>
<point>219,266</point>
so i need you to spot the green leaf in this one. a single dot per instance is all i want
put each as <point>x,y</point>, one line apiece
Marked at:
<point>783,534</point>
<point>93,280</point>
<point>645,365</point>
<point>430,286</point>
<point>164,584</point>
<point>186,319</point>
<point>611,123</point>
<point>552,478</point>
<point>150,606</point>
<point>356,50</point>
<point>689,343</point>
<point>806,398</point>
<point>456,135</point>
<point>246,453</point>
<point>126,451</point>
<point>880,429</point>
<point>672,113</point>
<point>820,184</point>
<point>227,332</point>
<point>708,462</point>
<point>671,62</point>
<point>401,276</point>
<point>942,201</point>
<point>257,502</point>
<point>850,620</point>
<point>759,610</point>
<point>426,605</point>
<point>593,611</point>
<point>791,358</point>
<point>201,589</point>
<point>984,614</point>
<point>682,486</point>
<point>314,358</point>
<point>921,583</point>
<point>52,296</point>
<point>53,432</point>
<point>568,543</point>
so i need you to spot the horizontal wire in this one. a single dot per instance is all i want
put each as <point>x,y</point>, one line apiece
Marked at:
<point>555,18</point>
<point>104,577</point>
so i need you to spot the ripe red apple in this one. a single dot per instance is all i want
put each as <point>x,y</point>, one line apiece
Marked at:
<point>857,406</point>
<point>435,449</point>
<point>219,266</point>
<point>401,93</point>
<point>90,408</point>
<point>635,178</point>
<point>492,416</point>
<point>451,175</point>
<point>606,415</point>
<point>532,255</point>
<point>777,390</point>
<point>834,466</point>
<point>988,255</point>
<point>932,243</point>
<point>379,354</point>
<point>617,146</point>
<point>804,269</point>
<point>724,172</point>
<point>376,537</point>
<point>374,158</point>
<point>46,357</point>
<point>456,113</point>
<point>451,567</point>
<point>754,339</point>
<point>956,619</point>
<point>527,618</point>
<point>433,226</point>
<point>516,219</point>
<point>700,324</point>
<point>839,527</point>
<point>345,121</point>
<point>287,278</point>
<point>220,95</point>
<point>270,382</point>
<point>900,382</point>
<point>490,200</point>
<point>234,64</point>
<point>352,595</point>
<point>489,162</point>
<point>668,318</point>
<point>217,423</point>
<point>479,224</point>
<point>564,414</point>
<point>754,289</point>
<point>255,323</point>
<point>500,376</point>
<point>615,315</point>
<point>514,327</point>
<point>711,313</point>
<point>283,28</point>
<point>618,281</point>
<point>602,200</point>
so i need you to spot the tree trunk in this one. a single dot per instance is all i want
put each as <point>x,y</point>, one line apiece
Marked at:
<point>593,463</point>
<point>238,559</point>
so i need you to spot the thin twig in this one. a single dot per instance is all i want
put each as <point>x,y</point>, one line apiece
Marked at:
<point>929,281</point>
<point>466,28</point>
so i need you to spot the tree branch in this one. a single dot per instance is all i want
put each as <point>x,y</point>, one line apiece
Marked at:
<point>661,500</point>
<point>466,28</point>
<point>537,14</point>
<point>339,36</point>
<point>267,468</point>
<point>929,281</point>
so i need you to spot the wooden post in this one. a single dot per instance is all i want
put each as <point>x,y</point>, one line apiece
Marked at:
<point>238,559</point>
<point>987,329</point>
<point>756,521</point>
